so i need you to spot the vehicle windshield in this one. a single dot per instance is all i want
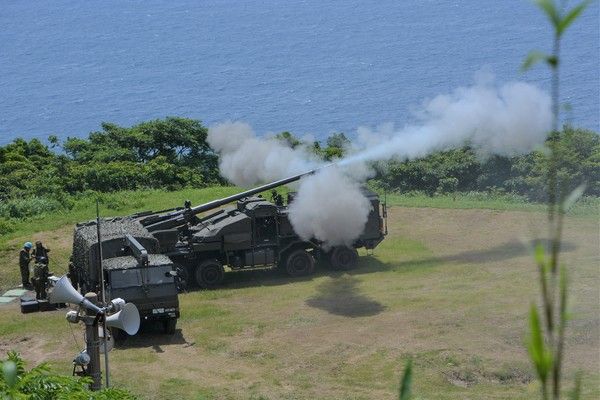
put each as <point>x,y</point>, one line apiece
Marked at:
<point>137,276</point>
<point>124,278</point>
<point>158,275</point>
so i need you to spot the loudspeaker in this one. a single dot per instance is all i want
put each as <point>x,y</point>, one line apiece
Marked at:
<point>128,319</point>
<point>64,292</point>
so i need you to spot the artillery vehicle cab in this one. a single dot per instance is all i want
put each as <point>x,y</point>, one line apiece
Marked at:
<point>132,268</point>
<point>149,285</point>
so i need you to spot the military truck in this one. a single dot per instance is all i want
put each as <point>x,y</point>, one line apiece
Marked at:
<point>133,269</point>
<point>253,233</point>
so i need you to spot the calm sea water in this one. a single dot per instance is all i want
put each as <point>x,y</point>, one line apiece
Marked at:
<point>311,67</point>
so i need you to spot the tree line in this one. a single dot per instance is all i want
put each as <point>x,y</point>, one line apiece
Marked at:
<point>173,153</point>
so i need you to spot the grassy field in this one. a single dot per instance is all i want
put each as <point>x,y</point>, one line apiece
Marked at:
<point>450,288</point>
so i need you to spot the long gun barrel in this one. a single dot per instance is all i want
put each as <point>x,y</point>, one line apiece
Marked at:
<point>230,199</point>
<point>179,217</point>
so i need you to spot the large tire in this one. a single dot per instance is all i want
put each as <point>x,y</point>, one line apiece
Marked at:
<point>343,258</point>
<point>299,263</point>
<point>169,326</point>
<point>209,274</point>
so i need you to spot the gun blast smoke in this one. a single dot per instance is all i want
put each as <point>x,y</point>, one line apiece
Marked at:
<point>508,119</point>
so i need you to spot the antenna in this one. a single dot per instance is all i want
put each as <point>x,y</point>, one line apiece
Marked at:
<point>103,294</point>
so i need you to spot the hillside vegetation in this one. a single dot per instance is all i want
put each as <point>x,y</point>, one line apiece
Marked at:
<point>172,153</point>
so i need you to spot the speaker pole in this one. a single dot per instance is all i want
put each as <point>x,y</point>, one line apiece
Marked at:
<point>92,343</point>
<point>101,281</point>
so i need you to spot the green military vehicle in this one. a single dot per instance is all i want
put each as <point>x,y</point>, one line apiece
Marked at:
<point>252,233</point>
<point>148,255</point>
<point>133,270</point>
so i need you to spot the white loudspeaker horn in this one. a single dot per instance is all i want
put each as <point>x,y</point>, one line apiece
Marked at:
<point>128,319</point>
<point>64,292</point>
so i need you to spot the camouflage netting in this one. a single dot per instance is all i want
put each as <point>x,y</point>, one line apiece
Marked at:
<point>154,260</point>
<point>112,232</point>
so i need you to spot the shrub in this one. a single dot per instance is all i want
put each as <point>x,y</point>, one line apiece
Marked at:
<point>28,207</point>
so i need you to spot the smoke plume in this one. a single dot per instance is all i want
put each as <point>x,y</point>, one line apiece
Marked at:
<point>330,207</point>
<point>246,159</point>
<point>509,119</point>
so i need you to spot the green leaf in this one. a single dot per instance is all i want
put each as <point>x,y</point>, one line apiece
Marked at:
<point>540,256</point>
<point>552,61</point>
<point>571,16</point>
<point>9,371</point>
<point>406,383</point>
<point>533,58</point>
<point>541,357</point>
<point>551,11</point>
<point>574,196</point>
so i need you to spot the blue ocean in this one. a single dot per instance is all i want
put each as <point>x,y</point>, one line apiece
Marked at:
<point>309,67</point>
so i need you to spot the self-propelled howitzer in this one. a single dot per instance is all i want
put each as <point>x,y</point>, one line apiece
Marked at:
<point>251,233</point>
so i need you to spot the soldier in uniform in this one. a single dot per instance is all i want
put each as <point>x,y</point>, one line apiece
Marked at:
<point>40,253</point>
<point>40,270</point>
<point>276,198</point>
<point>24,260</point>
<point>40,278</point>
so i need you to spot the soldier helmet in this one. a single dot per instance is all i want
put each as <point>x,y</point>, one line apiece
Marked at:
<point>28,245</point>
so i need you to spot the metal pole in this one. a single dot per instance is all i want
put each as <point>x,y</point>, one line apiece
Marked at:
<point>92,343</point>
<point>100,266</point>
<point>101,281</point>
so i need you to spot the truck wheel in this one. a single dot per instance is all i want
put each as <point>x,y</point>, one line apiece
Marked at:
<point>209,274</point>
<point>169,326</point>
<point>343,258</point>
<point>299,263</point>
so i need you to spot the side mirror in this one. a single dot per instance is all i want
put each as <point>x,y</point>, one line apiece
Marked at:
<point>171,274</point>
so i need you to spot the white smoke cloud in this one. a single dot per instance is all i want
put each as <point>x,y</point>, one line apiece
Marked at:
<point>246,159</point>
<point>330,207</point>
<point>509,119</point>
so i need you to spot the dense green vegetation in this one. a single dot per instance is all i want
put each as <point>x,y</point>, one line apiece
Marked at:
<point>39,383</point>
<point>172,153</point>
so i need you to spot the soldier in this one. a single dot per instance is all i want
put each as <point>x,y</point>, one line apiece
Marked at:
<point>40,253</point>
<point>24,260</point>
<point>40,270</point>
<point>276,198</point>
<point>40,277</point>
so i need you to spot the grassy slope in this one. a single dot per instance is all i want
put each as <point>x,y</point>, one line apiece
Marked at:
<point>448,288</point>
<point>588,206</point>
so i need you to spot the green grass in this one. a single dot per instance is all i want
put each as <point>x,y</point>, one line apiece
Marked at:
<point>333,335</point>
<point>114,204</point>
<point>588,206</point>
